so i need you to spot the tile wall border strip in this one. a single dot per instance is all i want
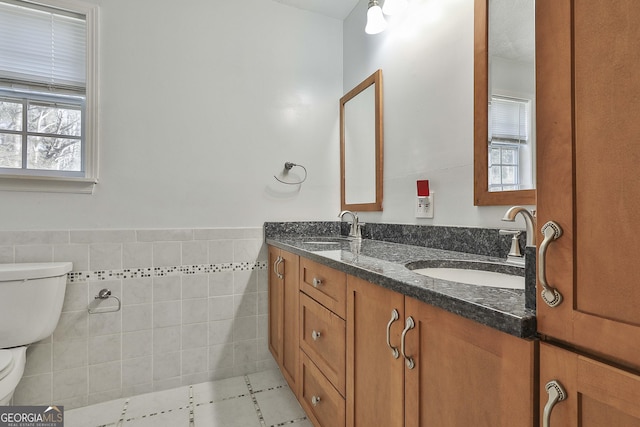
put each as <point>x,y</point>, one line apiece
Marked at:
<point>138,273</point>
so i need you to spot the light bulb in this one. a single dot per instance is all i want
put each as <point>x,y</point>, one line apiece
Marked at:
<point>375,20</point>
<point>391,7</point>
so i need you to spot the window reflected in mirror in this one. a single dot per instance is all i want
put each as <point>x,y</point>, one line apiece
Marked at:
<point>510,144</point>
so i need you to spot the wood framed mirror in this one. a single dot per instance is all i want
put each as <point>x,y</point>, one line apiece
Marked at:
<point>502,46</point>
<point>361,146</point>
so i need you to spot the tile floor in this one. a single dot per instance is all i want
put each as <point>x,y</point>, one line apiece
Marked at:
<point>262,400</point>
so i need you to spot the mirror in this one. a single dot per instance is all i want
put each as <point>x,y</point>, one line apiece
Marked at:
<point>361,142</point>
<point>504,103</point>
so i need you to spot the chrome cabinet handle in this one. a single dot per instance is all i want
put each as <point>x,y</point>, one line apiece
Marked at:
<point>276,266</point>
<point>316,282</point>
<point>408,359</point>
<point>315,335</point>
<point>551,231</point>
<point>315,400</point>
<point>556,394</point>
<point>394,350</point>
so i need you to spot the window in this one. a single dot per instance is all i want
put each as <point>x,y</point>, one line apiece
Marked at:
<point>48,138</point>
<point>509,120</point>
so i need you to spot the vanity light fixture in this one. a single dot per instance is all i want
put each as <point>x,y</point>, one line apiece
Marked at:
<point>391,7</point>
<point>375,20</point>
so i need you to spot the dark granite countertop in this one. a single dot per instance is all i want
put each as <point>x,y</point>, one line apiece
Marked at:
<point>383,263</point>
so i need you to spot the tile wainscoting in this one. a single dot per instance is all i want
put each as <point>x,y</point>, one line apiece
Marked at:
<point>194,309</point>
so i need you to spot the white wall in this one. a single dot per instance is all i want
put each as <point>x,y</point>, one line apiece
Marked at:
<point>202,102</point>
<point>197,116</point>
<point>426,56</point>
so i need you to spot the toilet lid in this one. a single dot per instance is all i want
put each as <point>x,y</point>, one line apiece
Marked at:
<point>6,362</point>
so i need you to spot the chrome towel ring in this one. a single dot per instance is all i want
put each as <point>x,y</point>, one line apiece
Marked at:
<point>287,167</point>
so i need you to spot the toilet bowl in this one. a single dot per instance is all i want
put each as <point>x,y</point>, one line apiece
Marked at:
<point>31,297</point>
<point>12,362</point>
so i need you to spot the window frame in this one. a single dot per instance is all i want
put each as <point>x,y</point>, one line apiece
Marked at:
<point>502,145</point>
<point>50,181</point>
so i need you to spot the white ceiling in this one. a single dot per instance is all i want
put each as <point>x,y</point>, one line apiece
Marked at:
<point>338,9</point>
<point>512,34</point>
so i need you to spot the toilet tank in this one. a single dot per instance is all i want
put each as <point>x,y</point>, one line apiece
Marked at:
<point>31,297</point>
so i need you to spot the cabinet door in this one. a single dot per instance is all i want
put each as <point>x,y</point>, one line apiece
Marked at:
<point>596,394</point>
<point>290,321</point>
<point>466,374</point>
<point>587,166</point>
<point>283,312</point>
<point>276,300</point>
<point>375,383</point>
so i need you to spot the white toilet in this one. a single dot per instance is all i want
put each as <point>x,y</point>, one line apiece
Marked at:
<point>31,297</point>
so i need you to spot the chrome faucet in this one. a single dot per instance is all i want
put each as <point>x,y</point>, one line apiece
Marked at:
<point>510,216</point>
<point>355,224</point>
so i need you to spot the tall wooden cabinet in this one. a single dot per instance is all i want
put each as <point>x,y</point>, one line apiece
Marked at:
<point>588,127</point>
<point>450,371</point>
<point>283,312</point>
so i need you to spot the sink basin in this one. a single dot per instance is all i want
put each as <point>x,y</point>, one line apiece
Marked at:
<point>321,243</point>
<point>471,273</point>
<point>326,241</point>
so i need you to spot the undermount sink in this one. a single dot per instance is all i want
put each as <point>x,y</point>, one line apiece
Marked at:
<point>326,241</point>
<point>471,272</point>
<point>321,243</point>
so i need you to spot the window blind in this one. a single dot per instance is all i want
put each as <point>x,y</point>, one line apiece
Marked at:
<point>42,47</point>
<point>509,119</point>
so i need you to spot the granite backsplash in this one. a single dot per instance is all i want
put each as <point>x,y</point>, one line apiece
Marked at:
<point>472,240</point>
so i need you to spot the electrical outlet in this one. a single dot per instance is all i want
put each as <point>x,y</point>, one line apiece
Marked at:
<point>424,206</point>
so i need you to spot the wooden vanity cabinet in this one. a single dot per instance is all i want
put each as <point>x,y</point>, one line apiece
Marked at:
<point>338,341</point>
<point>283,312</point>
<point>587,65</point>
<point>463,373</point>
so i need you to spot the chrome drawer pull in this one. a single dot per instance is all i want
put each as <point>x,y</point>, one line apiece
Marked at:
<point>316,282</point>
<point>315,335</point>
<point>315,400</point>
<point>394,350</point>
<point>409,325</point>
<point>556,394</point>
<point>550,295</point>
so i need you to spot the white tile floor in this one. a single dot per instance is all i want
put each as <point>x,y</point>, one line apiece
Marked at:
<point>261,400</point>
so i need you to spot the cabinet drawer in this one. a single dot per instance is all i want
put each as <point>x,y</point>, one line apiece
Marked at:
<point>323,339</point>
<point>325,285</point>
<point>320,400</point>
